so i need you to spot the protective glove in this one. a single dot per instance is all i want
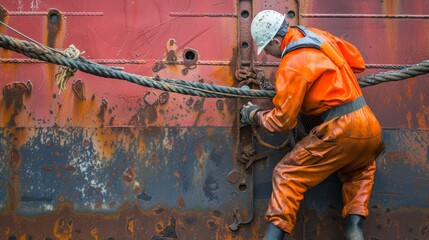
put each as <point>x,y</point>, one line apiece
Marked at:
<point>248,113</point>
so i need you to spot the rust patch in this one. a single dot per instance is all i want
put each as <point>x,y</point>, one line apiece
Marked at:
<point>101,114</point>
<point>171,56</point>
<point>170,230</point>
<point>55,27</point>
<point>190,101</point>
<point>171,50</point>
<point>129,174</point>
<point>3,16</point>
<point>78,89</point>
<point>147,113</point>
<point>220,105</point>
<point>14,163</point>
<point>185,71</point>
<point>154,160</point>
<point>13,182</point>
<point>234,176</point>
<point>3,13</point>
<point>94,234</point>
<point>131,227</point>
<point>13,95</point>
<point>163,98</point>
<point>63,228</point>
<point>198,106</point>
<point>158,66</point>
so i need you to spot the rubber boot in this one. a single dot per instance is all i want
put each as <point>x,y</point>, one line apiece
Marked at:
<point>273,233</point>
<point>353,227</point>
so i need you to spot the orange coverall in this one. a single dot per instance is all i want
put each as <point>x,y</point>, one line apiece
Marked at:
<point>308,81</point>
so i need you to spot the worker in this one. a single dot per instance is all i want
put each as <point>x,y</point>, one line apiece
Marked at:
<point>316,76</point>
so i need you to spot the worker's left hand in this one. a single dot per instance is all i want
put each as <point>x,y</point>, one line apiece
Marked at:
<point>248,113</point>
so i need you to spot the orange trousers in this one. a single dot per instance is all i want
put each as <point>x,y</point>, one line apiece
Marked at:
<point>347,145</point>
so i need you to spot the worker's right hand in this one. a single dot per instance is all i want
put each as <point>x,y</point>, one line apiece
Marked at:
<point>248,113</point>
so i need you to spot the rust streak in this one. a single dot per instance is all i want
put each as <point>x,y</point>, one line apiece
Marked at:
<point>55,26</point>
<point>13,183</point>
<point>101,114</point>
<point>13,95</point>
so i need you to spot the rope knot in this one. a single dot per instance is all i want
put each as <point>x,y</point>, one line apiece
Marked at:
<point>72,52</point>
<point>65,73</point>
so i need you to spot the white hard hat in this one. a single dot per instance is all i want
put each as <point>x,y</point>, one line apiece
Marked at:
<point>264,27</point>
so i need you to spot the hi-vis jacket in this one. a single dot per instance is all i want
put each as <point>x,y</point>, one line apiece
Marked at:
<point>312,80</point>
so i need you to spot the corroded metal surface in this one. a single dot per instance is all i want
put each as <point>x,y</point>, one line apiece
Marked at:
<point>68,176</point>
<point>150,46</point>
<point>107,159</point>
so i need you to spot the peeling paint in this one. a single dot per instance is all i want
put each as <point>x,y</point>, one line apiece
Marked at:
<point>113,160</point>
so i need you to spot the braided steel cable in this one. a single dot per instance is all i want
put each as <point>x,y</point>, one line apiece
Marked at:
<point>397,75</point>
<point>37,51</point>
<point>178,86</point>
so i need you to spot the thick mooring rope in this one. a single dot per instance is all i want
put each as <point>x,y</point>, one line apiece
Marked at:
<point>178,86</point>
<point>408,72</point>
<point>46,54</point>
